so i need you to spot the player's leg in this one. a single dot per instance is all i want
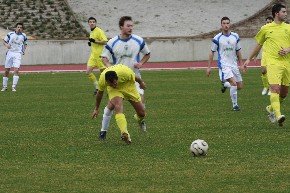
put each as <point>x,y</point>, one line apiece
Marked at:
<point>5,79</point>
<point>275,74</point>
<point>91,65</point>
<point>108,112</point>
<point>8,64</point>
<point>16,65</point>
<point>140,114</point>
<point>225,84</point>
<point>121,121</point>
<point>264,80</point>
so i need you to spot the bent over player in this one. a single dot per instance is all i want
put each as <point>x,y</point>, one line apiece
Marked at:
<point>119,80</point>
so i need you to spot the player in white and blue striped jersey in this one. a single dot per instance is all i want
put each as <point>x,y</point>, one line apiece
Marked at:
<point>227,45</point>
<point>16,43</point>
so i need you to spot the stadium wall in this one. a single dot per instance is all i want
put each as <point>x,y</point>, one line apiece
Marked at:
<point>77,51</point>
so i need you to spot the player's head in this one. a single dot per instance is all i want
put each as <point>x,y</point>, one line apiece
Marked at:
<point>126,25</point>
<point>111,78</point>
<point>269,19</point>
<point>19,27</point>
<point>225,24</point>
<point>92,22</point>
<point>279,12</point>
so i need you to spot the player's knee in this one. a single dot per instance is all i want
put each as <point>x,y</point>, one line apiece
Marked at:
<point>141,113</point>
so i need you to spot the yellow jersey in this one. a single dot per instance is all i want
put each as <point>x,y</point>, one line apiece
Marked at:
<point>273,37</point>
<point>126,77</point>
<point>99,35</point>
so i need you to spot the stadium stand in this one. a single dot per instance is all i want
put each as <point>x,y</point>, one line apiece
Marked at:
<point>250,26</point>
<point>43,19</point>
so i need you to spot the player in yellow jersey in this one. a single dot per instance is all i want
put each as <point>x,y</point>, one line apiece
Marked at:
<point>97,41</point>
<point>119,80</point>
<point>275,39</point>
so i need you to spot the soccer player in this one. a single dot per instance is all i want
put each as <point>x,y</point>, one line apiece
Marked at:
<point>97,41</point>
<point>119,80</point>
<point>125,49</point>
<point>265,90</point>
<point>275,40</point>
<point>227,44</point>
<point>16,43</point>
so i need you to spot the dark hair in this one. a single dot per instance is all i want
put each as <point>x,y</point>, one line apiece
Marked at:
<point>270,18</point>
<point>225,18</point>
<point>110,76</point>
<point>276,8</point>
<point>123,19</point>
<point>92,18</point>
<point>19,23</point>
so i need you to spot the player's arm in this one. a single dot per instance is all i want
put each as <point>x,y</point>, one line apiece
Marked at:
<point>142,61</point>
<point>99,97</point>
<point>92,40</point>
<point>7,45</point>
<point>141,82</point>
<point>240,60</point>
<point>255,52</point>
<point>106,61</point>
<point>210,61</point>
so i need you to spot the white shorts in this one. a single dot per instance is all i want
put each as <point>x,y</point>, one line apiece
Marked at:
<point>227,72</point>
<point>140,90</point>
<point>12,60</point>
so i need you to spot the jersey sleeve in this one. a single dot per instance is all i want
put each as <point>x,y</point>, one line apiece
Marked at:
<point>144,48</point>
<point>7,38</point>
<point>101,36</point>
<point>238,45</point>
<point>214,45</point>
<point>261,36</point>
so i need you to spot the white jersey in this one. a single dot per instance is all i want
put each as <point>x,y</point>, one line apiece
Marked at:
<point>16,41</point>
<point>227,47</point>
<point>126,51</point>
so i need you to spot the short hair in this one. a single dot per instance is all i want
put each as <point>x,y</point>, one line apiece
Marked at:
<point>276,8</point>
<point>110,76</point>
<point>123,19</point>
<point>225,18</point>
<point>92,18</point>
<point>19,23</point>
<point>270,18</point>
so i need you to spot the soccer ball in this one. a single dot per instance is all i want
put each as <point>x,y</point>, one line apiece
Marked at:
<point>198,147</point>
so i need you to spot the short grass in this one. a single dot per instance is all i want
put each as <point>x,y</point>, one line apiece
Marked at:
<point>49,143</point>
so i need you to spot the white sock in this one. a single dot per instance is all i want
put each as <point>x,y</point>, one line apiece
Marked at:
<point>5,81</point>
<point>227,84</point>
<point>106,119</point>
<point>15,81</point>
<point>234,95</point>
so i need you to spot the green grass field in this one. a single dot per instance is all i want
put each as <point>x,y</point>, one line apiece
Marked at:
<point>49,143</point>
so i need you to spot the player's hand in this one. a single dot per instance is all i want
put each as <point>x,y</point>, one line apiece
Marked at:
<point>208,71</point>
<point>137,65</point>
<point>89,43</point>
<point>95,113</point>
<point>143,85</point>
<point>283,51</point>
<point>245,65</point>
<point>92,40</point>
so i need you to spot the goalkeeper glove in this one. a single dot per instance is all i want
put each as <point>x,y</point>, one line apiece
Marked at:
<point>92,40</point>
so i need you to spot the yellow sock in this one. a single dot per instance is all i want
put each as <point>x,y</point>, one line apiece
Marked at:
<point>265,80</point>
<point>121,122</point>
<point>93,79</point>
<point>139,119</point>
<point>275,103</point>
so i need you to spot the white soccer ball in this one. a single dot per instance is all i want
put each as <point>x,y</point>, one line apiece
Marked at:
<point>199,147</point>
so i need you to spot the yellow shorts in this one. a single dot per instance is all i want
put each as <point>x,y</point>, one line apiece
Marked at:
<point>278,72</point>
<point>96,62</point>
<point>128,92</point>
<point>263,62</point>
